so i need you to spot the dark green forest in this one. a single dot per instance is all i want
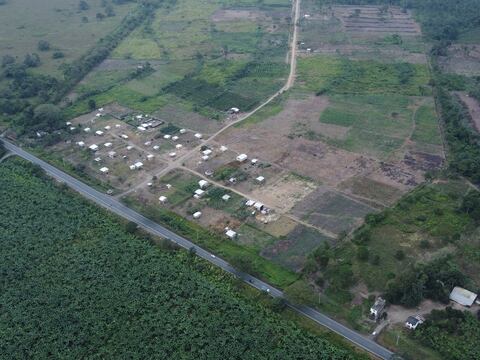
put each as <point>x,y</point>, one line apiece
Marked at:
<point>74,284</point>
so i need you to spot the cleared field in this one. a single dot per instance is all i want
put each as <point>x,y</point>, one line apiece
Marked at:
<point>203,62</point>
<point>61,23</point>
<point>462,59</point>
<point>337,75</point>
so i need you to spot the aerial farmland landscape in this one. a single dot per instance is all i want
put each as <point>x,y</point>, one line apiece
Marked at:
<point>240,179</point>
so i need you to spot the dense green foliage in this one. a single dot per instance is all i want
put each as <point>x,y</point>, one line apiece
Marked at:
<point>75,285</point>
<point>454,334</point>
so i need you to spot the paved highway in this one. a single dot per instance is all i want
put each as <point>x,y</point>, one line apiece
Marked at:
<point>117,207</point>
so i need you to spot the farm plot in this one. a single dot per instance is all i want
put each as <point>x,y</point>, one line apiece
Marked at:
<point>326,30</point>
<point>331,210</point>
<point>292,250</point>
<point>67,29</point>
<point>202,63</point>
<point>462,59</point>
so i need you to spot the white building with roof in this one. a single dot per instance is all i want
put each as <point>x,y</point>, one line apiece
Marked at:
<point>198,135</point>
<point>231,234</point>
<point>104,170</point>
<point>242,157</point>
<point>99,132</point>
<point>197,215</point>
<point>463,296</point>
<point>163,199</point>
<point>203,184</point>
<point>93,147</point>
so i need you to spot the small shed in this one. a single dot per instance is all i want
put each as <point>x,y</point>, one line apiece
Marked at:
<point>205,157</point>
<point>138,165</point>
<point>463,296</point>
<point>197,215</point>
<point>223,148</point>
<point>199,193</point>
<point>260,179</point>
<point>207,152</point>
<point>150,157</point>
<point>254,161</point>
<point>198,135</point>
<point>129,147</point>
<point>123,136</point>
<point>259,206</point>
<point>112,154</point>
<point>226,197</point>
<point>108,144</point>
<point>108,127</point>
<point>93,147</point>
<point>81,143</point>
<point>68,123</point>
<point>183,131</point>
<point>163,199</point>
<point>104,170</point>
<point>172,154</point>
<point>231,234</point>
<point>167,136</point>
<point>147,143</point>
<point>178,146</point>
<point>242,157</point>
<point>99,132</point>
<point>87,129</point>
<point>250,203</point>
<point>175,138</point>
<point>141,128</point>
<point>156,147</point>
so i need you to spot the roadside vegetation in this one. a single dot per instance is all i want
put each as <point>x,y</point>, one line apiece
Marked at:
<point>80,278</point>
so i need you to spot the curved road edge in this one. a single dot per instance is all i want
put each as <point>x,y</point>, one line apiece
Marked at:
<point>120,209</point>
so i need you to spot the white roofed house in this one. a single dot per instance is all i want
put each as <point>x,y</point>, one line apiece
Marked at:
<point>150,157</point>
<point>198,193</point>
<point>203,184</point>
<point>413,322</point>
<point>242,157</point>
<point>104,170</point>
<point>81,143</point>
<point>197,215</point>
<point>231,234</point>
<point>112,154</point>
<point>463,296</point>
<point>138,165</point>
<point>99,132</point>
<point>377,308</point>
<point>163,199</point>
<point>260,179</point>
<point>93,147</point>
<point>198,135</point>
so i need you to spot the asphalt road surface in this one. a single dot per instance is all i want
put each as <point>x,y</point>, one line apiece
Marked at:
<point>118,208</point>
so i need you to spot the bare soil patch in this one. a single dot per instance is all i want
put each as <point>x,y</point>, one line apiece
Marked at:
<point>233,15</point>
<point>462,59</point>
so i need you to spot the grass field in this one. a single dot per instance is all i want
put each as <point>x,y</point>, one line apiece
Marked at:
<point>204,59</point>
<point>426,125</point>
<point>72,275</point>
<point>25,22</point>
<point>378,124</point>
<point>337,75</point>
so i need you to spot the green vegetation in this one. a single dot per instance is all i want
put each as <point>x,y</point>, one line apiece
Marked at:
<point>454,334</point>
<point>72,275</point>
<point>335,75</point>
<point>378,123</point>
<point>426,126</point>
<point>230,251</point>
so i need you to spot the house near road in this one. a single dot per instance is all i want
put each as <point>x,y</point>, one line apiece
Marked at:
<point>378,308</point>
<point>463,296</point>
<point>203,184</point>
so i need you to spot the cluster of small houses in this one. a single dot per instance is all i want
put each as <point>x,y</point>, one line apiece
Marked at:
<point>458,295</point>
<point>137,165</point>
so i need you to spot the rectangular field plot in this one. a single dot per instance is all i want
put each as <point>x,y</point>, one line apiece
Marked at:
<point>378,125</point>
<point>293,250</point>
<point>331,210</point>
<point>338,75</point>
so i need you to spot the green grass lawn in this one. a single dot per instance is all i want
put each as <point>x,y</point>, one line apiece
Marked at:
<point>427,130</point>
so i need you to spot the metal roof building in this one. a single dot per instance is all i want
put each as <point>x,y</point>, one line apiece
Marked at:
<point>462,296</point>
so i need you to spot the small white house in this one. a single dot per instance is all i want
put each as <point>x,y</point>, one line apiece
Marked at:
<point>81,143</point>
<point>234,110</point>
<point>250,203</point>
<point>259,206</point>
<point>260,179</point>
<point>197,215</point>
<point>98,159</point>
<point>174,138</point>
<point>183,131</point>
<point>99,132</point>
<point>232,180</point>
<point>207,152</point>
<point>112,154</point>
<point>198,135</point>
<point>141,128</point>
<point>107,144</point>
<point>254,161</point>
<point>108,127</point>
<point>172,154</point>
<point>68,123</point>
<point>93,147</point>
<point>199,192</point>
<point>123,136</point>
<point>203,184</point>
<point>242,157</point>
<point>72,128</point>
<point>205,157</point>
<point>129,147</point>
<point>226,197</point>
<point>138,165</point>
<point>231,234</point>
<point>118,126</point>
<point>147,143</point>
<point>87,129</point>
<point>104,170</point>
<point>167,136</point>
<point>150,157</point>
<point>413,322</point>
<point>178,146</point>
<point>163,199</point>
<point>223,148</point>
<point>132,167</point>
<point>156,147</point>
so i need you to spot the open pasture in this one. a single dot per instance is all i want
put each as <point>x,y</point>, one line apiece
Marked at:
<point>61,23</point>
